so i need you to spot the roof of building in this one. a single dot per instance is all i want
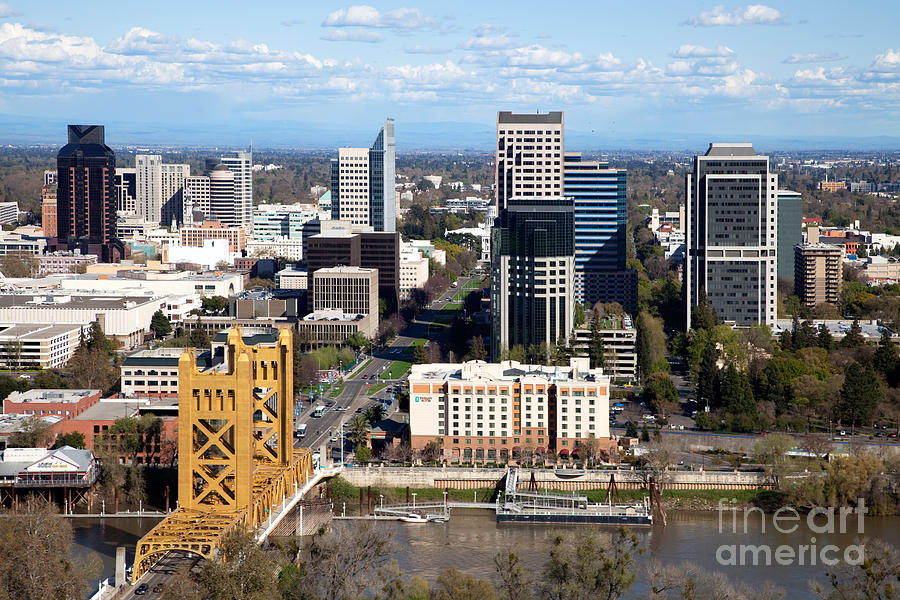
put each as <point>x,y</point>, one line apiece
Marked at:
<point>731,149</point>
<point>870,329</point>
<point>345,269</point>
<point>62,396</point>
<point>16,460</point>
<point>333,315</point>
<point>163,357</point>
<point>251,336</point>
<point>551,118</point>
<point>508,370</point>
<point>36,331</point>
<point>92,302</point>
<point>110,410</point>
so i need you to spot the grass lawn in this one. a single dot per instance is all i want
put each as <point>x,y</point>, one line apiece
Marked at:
<point>396,370</point>
<point>335,390</point>
<point>418,342</point>
<point>460,296</point>
<point>474,284</point>
<point>377,388</point>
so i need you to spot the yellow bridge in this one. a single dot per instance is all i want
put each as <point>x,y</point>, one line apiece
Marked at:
<point>236,460</point>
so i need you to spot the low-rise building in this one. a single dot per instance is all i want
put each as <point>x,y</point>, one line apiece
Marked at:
<point>207,255</point>
<point>9,212</point>
<point>64,262</point>
<point>39,468</point>
<point>154,372</point>
<point>267,303</point>
<point>838,328</point>
<point>18,244</point>
<point>281,221</point>
<point>882,269</point>
<point>500,411</point>
<point>64,403</point>
<point>329,327</point>
<point>39,345</point>
<point>169,282</point>
<point>413,269</point>
<point>290,249</point>
<point>619,346</point>
<point>214,230</point>
<point>352,290</point>
<point>290,278</point>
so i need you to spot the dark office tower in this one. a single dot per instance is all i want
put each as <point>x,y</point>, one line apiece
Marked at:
<point>529,159</point>
<point>532,273</point>
<point>86,194</point>
<point>732,235</point>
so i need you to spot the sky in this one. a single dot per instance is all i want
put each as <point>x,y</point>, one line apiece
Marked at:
<point>322,74</point>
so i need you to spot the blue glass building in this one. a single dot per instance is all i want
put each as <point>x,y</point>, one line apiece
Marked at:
<point>600,232</point>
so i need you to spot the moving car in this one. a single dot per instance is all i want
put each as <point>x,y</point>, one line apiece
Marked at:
<point>141,590</point>
<point>158,588</point>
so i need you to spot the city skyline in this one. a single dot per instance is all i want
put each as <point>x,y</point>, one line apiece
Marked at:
<point>797,73</point>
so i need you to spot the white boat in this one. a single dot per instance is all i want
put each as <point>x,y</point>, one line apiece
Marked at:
<point>414,517</point>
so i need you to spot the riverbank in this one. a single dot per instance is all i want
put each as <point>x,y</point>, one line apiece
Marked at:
<point>346,496</point>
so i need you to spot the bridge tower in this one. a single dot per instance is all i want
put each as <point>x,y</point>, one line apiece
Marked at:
<point>236,460</point>
<point>233,421</point>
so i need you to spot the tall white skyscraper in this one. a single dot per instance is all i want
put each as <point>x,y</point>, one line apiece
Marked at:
<point>530,156</point>
<point>172,178</point>
<point>362,183</point>
<point>732,235</point>
<point>241,164</point>
<point>148,196</point>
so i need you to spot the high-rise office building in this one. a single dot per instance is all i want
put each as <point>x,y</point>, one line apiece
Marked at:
<point>790,230</point>
<point>48,208</point>
<point>195,199</point>
<point>223,196</point>
<point>148,199</point>
<point>214,197</point>
<point>529,155</point>
<point>172,178</point>
<point>86,195</point>
<point>353,290</point>
<point>126,190</point>
<point>600,232</point>
<point>281,221</point>
<point>732,235</point>
<point>532,273</point>
<point>241,213</point>
<point>362,183</point>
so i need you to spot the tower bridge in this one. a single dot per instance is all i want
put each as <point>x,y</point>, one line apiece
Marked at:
<point>237,466</point>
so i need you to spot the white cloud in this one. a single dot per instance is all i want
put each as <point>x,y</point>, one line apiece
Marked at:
<point>425,49</point>
<point>138,40</point>
<point>753,14</point>
<point>350,35</point>
<point>367,16</point>
<point>812,57</point>
<point>888,61</point>
<point>692,51</point>
<point>7,11</point>
<point>490,42</point>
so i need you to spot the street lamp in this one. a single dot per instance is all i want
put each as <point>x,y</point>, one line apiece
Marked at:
<point>414,499</point>
<point>341,442</point>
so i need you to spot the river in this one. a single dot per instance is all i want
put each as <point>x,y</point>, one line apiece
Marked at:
<point>471,539</point>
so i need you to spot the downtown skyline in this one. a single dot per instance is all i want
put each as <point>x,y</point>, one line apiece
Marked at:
<point>661,75</point>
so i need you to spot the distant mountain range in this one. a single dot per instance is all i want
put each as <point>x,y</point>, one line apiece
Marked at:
<point>440,136</point>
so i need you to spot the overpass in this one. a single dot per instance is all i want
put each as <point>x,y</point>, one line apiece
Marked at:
<point>237,467</point>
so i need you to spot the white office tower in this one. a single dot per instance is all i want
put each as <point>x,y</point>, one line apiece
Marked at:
<point>148,197</point>
<point>241,164</point>
<point>362,183</point>
<point>195,205</point>
<point>530,156</point>
<point>223,197</point>
<point>732,235</point>
<point>172,185</point>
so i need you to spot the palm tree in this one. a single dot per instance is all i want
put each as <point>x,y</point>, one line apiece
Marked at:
<point>359,430</point>
<point>374,413</point>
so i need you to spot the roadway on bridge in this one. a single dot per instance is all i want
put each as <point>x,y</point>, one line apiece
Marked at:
<point>161,574</point>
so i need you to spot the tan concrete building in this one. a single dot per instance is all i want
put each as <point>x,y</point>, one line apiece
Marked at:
<point>502,411</point>
<point>48,210</point>
<point>619,346</point>
<point>353,290</point>
<point>817,271</point>
<point>214,230</point>
<point>330,327</point>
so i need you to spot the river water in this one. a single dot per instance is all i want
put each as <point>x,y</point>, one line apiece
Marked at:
<point>471,539</point>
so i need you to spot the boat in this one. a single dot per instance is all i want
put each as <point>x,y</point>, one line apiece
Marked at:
<point>414,517</point>
<point>438,518</point>
<point>569,473</point>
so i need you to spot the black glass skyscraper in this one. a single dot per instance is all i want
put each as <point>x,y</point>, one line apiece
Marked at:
<point>86,194</point>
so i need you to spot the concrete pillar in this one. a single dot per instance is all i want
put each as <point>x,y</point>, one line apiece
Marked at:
<point>120,566</point>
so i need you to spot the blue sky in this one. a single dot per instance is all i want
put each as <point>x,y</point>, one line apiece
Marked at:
<point>327,73</point>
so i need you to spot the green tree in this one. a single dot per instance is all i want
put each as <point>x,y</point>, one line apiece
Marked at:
<point>13,350</point>
<point>37,561</point>
<point>854,337</point>
<point>362,454</point>
<point>214,305</point>
<point>707,375</point>
<point>737,397</point>
<point>660,394</point>
<point>241,569</point>
<point>651,345</point>
<point>590,567</point>
<point>32,433</point>
<point>358,341</point>
<point>561,353</point>
<point>160,324</point>
<point>515,581</point>
<point>704,315</point>
<point>885,358</point>
<point>579,314</point>
<point>596,351</point>
<point>454,585</point>
<point>630,430</point>
<point>477,350</point>
<point>537,354</point>
<point>420,355</point>
<point>517,353</point>
<point>74,439</point>
<point>825,339</point>
<point>198,338</point>
<point>860,394</point>
<point>359,428</point>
